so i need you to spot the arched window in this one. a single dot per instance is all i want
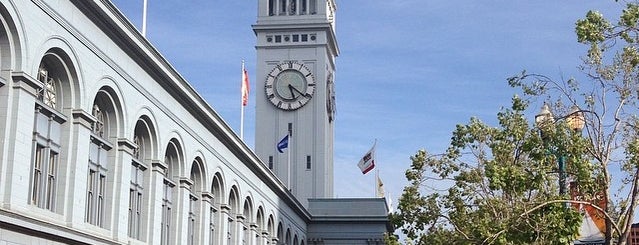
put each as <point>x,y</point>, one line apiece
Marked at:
<point>172,160</point>
<point>248,219</point>
<point>280,233</point>
<point>100,146</point>
<point>47,143</point>
<point>270,227</point>
<point>215,221</point>
<point>141,138</point>
<point>261,232</point>
<point>194,211</point>
<point>233,224</point>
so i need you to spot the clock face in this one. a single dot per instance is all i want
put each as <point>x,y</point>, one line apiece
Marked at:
<point>290,85</point>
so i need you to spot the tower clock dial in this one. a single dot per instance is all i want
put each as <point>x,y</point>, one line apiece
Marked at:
<point>290,85</point>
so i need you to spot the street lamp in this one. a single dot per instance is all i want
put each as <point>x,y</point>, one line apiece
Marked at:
<point>575,120</point>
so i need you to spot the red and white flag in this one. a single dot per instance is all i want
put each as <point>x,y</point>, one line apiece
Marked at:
<point>245,87</point>
<point>367,163</point>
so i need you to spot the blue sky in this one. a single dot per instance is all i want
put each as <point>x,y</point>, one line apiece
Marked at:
<point>408,72</point>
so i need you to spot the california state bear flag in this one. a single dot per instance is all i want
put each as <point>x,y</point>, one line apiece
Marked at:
<point>367,163</point>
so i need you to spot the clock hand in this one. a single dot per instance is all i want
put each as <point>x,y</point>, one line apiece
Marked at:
<point>290,88</point>
<point>294,88</point>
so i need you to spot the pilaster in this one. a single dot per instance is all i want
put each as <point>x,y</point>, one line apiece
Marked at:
<point>225,222</point>
<point>205,217</point>
<point>182,210</point>
<point>156,187</point>
<point>16,169</point>
<point>121,185</point>
<point>75,205</point>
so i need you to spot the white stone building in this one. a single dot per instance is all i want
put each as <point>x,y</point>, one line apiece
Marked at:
<point>103,142</point>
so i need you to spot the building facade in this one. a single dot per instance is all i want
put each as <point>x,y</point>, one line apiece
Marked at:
<point>103,142</point>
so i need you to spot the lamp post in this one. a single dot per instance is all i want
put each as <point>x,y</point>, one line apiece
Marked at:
<point>575,121</point>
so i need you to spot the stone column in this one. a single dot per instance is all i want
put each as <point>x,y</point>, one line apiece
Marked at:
<point>121,182</point>
<point>205,217</point>
<point>182,212</point>
<point>79,158</point>
<point>16,164</point>
<point>155,195</point>
<point>240,229</point>
<point>225,222</point>
<point>254,236</point>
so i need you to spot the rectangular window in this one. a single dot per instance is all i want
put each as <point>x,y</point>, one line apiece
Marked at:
<point>296,38</point>
<point>135,199</point>
<point>283,7</point>
<point>278,38</point>
<point>191,220</point>
<point>96,183</point>
<point>308,162</point>
<point>303,6</point>
<point>304,38</point>
<point>131,211</point>
<point>271,7</point>
<point>166,212</point>
<point>293,7</point>
<point>45,162</point>
<point>312,6</point>
<point>270,162</point>
<point>212,221</point>
<point>52,169</point>
<point>36,185</point>
<point>89,204</point>
<point>290,129</point>
<point>100,204</point>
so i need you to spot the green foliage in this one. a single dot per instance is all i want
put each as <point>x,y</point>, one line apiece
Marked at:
<point>390,239</point>
<point>490,180</point>
<point>592,29</point>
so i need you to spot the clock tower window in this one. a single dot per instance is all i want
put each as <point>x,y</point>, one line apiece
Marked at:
<point>312,4</point>
<point>271,7</point>
<point>303,7</point>
<point>283,7</point>
<point>293,8</point>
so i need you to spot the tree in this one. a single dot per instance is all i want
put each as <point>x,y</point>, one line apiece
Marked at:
<point>499,185</point>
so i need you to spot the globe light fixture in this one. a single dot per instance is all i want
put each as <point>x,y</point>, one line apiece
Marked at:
<point>575,118</point>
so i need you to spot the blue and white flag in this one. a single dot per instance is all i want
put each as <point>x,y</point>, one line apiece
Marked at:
<point>283,144</point>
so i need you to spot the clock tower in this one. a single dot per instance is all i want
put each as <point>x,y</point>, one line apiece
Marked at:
<point>296,51</point>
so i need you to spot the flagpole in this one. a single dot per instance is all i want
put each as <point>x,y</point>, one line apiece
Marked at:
<point>144,19</point>
<point>376,183</point>
<point>241,103</point>
<point>288,160</point>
